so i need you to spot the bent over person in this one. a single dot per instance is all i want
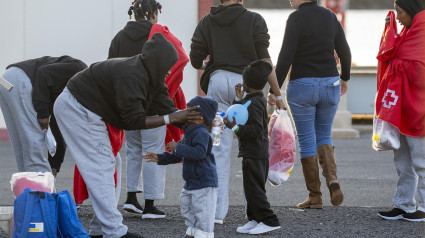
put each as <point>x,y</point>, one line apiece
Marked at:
<point>28,109</point>
<point>115,93</point>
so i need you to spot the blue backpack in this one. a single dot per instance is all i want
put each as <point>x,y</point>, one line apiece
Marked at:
<point>40,214</point>
<point>36,215</point>
<point>69,224</point>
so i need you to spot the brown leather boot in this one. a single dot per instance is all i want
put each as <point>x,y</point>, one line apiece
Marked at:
<point>326,154</point>
<point>312,182</point>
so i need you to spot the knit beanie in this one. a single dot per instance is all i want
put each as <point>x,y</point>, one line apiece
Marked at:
<point>256,74</point>
<point>411,7</point>
<point>208,107</point>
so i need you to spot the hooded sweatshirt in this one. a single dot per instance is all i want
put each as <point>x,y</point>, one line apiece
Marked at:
<point>121,90</point>
<point>232,36</point>
<point>130,41</point>
<point>48,76</point>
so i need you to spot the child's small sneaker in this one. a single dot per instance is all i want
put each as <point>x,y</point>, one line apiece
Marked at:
<point>133,208</point>
<point>247,227</point>
<point>415,216</point>
<point>153,213</point>
<point>218,221</point>
<point>394,214</point>
<point>262,228</point>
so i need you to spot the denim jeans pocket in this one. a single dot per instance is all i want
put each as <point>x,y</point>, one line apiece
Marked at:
<point>300,93</point>
<point>333,93</point>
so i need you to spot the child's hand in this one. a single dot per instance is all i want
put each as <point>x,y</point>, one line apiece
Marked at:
<point>228,123</point>
<point>151,157</point>
<point>239,91</point>
<point>171,146</point>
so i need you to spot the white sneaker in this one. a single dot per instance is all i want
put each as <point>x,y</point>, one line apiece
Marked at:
<point>218,221</point>
<point>247,227</point>
<point>262,228</point>
<point>132,209</point>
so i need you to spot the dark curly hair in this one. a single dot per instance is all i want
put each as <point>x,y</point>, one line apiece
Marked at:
<point>144,9</point>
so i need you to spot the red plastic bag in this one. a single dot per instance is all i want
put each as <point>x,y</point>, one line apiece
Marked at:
<point>281,147</point>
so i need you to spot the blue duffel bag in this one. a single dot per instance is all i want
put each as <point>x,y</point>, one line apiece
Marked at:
<point>35,215</point>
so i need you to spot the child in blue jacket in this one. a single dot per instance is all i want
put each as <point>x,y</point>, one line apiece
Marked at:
<point>199,195</point>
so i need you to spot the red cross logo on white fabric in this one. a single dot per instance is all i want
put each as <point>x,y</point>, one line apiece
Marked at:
<point>391,101</point>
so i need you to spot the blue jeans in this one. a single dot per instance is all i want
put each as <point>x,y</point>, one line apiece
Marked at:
<point>313,103</point>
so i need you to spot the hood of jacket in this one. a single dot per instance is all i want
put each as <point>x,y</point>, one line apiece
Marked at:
<point>158,57</point>
<point>137,30</point>
<point>226,15</point>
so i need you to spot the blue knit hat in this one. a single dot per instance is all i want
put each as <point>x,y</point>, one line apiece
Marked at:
<point>208,107</point>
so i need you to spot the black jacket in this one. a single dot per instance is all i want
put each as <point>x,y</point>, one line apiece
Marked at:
<point>129,41</point>
<point>312,35</point>
<point>121,90</point>
<point>48,76</point>
<point>253,136</point>
<point>232,36</point>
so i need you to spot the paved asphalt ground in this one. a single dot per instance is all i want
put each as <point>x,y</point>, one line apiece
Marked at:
<point>368,180</point>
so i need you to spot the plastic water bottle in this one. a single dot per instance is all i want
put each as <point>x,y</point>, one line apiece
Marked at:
<point>217,128</point>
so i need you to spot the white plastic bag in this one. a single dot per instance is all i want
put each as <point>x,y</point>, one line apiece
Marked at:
<point>50,142</point>
<point>385,136</point>
<point>281,147</point>
<point>34,180</point>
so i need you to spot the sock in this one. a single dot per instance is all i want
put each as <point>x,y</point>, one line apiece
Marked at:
<point>148,204</point>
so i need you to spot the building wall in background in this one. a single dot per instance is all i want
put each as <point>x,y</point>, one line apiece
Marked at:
<point>82,29</point>
<point>353,4</point>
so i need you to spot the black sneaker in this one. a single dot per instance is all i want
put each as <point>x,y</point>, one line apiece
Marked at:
<point>96,236</point>
<point>133,207</point>
<point>153,213</point>
<point>415,216</point>
<point>394,214</point>
<point>131,235</point>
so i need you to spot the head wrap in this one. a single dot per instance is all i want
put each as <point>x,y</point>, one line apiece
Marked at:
<point>411,7</point>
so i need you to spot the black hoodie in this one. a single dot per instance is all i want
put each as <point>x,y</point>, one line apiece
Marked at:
<point>121,90</point>
<point>129,41</point>
<point>232,36</point>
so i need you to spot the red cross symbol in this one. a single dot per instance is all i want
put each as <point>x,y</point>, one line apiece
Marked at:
<point>391,101</point>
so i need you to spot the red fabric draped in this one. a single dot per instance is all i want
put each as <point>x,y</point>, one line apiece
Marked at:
<point>116,136</point>
<point>401,77</point>
<point>174,80</point>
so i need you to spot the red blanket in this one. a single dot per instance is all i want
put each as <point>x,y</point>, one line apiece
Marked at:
<point>174,80</point>
<point>116,136</point>
<point>401,77</point>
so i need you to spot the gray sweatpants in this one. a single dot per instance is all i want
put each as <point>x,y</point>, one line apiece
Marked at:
<point>409,161</point>
<point>88,142</point>
<point>198,210</point>
<point>222,87</point>
<point>20,116</point>
<point>138,143</point>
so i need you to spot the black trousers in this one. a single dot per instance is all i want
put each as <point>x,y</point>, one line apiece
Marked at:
<point>255,174</point>
<point>57,160</point>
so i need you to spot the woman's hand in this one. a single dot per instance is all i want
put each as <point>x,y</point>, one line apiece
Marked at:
<point>344,87</point>
<point>171,146</point>
<point>44,123</point>
<point>151,157</point>
<point>188,116</point>
<point>387,21</point>
<point>239,90</point>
